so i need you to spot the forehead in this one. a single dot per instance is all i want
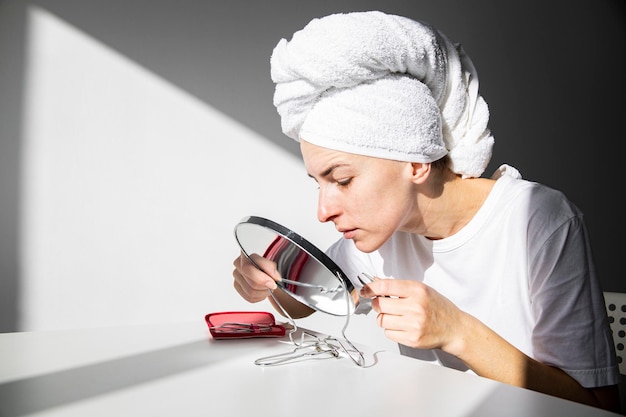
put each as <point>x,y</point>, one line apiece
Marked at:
<point>317,158</point>
<point>320,162</point>
<point>310,150</point>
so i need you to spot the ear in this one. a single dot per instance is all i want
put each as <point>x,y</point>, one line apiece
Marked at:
<point>421,171</point>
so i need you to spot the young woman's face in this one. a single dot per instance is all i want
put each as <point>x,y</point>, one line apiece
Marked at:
<point>367,198</point>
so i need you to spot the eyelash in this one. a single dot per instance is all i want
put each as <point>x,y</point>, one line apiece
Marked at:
<point>341,183</point>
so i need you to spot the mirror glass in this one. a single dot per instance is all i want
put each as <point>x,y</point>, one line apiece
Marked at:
<point>308,274</point>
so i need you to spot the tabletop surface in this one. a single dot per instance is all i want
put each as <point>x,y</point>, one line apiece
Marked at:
<point>180,370</point>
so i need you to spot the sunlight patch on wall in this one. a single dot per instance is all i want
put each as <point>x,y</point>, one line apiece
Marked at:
<point>132,188</point>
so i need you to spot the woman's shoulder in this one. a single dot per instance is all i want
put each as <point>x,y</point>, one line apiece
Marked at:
<point>535,198</point>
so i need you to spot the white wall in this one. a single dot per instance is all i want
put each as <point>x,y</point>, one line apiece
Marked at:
<point>132,188</point>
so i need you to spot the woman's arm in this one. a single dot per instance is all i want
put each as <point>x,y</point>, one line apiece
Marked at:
<point>418,316</point>
<point>490,356</point>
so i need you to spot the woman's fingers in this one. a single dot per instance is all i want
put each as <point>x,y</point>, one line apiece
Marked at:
<point>250,281</point>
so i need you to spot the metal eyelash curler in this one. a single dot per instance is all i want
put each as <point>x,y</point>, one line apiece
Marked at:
<point>311,348</point>
<point>314,346</point>
<point>237,327</point>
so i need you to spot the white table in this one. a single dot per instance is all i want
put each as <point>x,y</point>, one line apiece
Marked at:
<point>179,370</point>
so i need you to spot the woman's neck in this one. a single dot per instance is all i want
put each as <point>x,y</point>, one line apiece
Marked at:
<point>453,206</point>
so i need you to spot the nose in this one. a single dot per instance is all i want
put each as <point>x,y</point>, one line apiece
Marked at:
<point>327,207</point>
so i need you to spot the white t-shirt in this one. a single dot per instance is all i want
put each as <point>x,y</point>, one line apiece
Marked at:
<point>522,266</point>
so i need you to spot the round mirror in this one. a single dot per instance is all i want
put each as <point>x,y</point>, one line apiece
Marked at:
<point>308,274</point>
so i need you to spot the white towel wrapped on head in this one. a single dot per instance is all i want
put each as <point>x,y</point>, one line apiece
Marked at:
<point>382,85</point>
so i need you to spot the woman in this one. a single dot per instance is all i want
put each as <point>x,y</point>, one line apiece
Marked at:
<point>491,275</point>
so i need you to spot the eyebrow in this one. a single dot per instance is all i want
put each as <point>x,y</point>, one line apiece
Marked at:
<point>328,170</point>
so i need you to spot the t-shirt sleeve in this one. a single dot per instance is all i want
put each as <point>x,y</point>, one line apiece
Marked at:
<point>572,330</point>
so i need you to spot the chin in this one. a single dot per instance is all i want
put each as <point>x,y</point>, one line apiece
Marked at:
<point>365,247</point>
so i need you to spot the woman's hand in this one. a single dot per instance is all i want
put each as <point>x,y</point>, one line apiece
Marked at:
<point>251,282</point>
<point>416,315</point>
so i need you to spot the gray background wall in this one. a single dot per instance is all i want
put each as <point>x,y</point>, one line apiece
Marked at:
<point>552,73</point>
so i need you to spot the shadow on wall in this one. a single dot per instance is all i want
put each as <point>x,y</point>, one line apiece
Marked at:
<point>11,80</point>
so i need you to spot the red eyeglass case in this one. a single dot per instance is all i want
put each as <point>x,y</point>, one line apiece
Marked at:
<point>243,325</point>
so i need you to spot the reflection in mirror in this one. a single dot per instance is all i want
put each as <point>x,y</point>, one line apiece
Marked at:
<point>308,274</point>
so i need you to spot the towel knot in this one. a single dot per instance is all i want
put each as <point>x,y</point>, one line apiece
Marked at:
<point>382,85</point>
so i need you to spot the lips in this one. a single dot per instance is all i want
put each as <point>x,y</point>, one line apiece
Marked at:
<point>347,233</point>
